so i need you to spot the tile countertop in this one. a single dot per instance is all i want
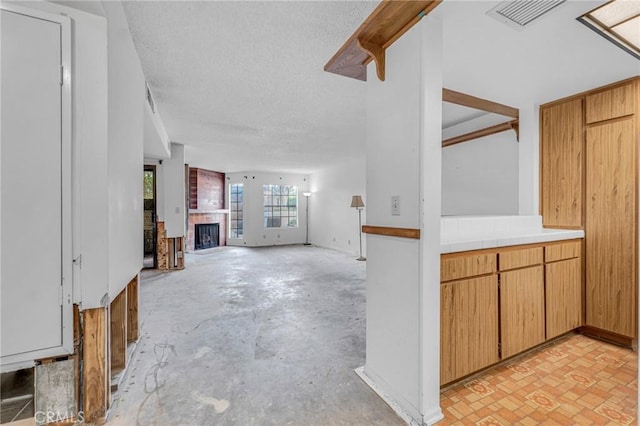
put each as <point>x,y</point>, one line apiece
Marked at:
<point>464,233</point>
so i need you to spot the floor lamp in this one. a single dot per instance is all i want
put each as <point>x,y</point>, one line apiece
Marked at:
<point>356,201</point>
<point>307,195</point>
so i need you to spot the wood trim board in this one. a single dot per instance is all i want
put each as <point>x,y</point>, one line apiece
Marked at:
<point>459,98</point>
<point>487,131</point>
<point>392,232</point>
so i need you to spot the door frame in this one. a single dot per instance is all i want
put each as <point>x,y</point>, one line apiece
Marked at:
<point>154,212</point>
<point>27,359</point>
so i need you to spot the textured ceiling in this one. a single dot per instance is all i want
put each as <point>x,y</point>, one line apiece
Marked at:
<point>242,85</point>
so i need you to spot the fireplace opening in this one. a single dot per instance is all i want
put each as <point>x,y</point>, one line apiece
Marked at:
<point>207,235</point>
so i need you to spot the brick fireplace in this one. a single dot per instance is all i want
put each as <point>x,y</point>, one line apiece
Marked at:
<point>206,207</point>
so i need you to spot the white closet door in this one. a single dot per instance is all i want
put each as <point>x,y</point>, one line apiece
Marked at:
<point>31,184</point>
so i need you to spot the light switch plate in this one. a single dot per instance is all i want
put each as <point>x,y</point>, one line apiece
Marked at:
<point>395,205</point>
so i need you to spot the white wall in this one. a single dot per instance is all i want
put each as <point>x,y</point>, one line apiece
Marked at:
<point>174,196</point>
<point>555,57</point>
<point>156,140</point>
<point>481,176</point>
<point>393,269</point>
<point>125,153</point>
<point>332,223</point>
<point>255,234</point>
<point>529,160</point>
<point>431,211</point>
<point>404,120</point>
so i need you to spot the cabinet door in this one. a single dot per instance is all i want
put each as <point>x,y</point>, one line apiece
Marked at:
<point>32,192</point>
<point>468,326</point>
<point>561,163</point>
<point>521,309</point>
<point>611,227</point>
<point>563,291</point>
<point>610,103</point>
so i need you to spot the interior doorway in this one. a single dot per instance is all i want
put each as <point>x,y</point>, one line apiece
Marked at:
<point>150,234</point>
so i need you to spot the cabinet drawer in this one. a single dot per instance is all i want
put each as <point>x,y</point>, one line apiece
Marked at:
<point>453,268</point>
<point>562,251</point>
<point>520,258</point>
<point>612,103</point>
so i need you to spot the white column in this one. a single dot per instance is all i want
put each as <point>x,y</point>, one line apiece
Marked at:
<point>174,205</point>
<point>528,160</point>
<point>431,189</point>
<point>404,121</point>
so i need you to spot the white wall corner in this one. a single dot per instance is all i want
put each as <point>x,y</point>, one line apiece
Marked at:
<point>404,159</point>
<point>333,224</point>
<point>125,151</point>
<point>174,192</point>
<point>529,160</point>
<point>431,195</point>
<point>402,408</point>
<point>156,139</point>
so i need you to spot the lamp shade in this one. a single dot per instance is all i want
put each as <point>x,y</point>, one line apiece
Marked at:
<point>306,194</point>
<point>356,201</point>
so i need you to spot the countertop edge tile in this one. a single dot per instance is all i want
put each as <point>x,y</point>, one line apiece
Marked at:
<point>543,236</point>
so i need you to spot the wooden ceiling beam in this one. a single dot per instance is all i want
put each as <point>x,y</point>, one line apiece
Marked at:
<point>463,99</point>
<point>498,128</point>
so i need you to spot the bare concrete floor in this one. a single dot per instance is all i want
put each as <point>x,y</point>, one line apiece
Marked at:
<point>252,336</point>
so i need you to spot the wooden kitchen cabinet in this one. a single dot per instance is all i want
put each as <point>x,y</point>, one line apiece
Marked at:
<point>561,164</point>
<point>520,258</point>
<point>588,172</point>
<point>563,287</point>
<point>611,103</point>
<point>510,299</point>
<point>563,296</point>
<point>468,326</point>
<point>562,251</point>
<point>522,315</point>
<point>611,220</point>
<point>454,267</point>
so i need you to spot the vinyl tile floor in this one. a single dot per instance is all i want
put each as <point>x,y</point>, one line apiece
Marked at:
<point>575,381</point>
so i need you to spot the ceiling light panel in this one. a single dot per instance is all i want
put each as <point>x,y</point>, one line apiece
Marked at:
<point>619,22</point>
<point>614,12</point>
<point>630,30</point>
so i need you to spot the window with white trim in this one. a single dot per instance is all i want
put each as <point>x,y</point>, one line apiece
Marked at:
<point>280,206</point>
<point>236,207</point>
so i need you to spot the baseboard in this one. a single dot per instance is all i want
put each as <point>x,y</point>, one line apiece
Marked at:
<point>433,417</point>
<point>609,336</point>
<point>350,253</point>
<point>404,409</point>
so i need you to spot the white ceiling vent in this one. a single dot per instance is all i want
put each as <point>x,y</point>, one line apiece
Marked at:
<point>520,13</point>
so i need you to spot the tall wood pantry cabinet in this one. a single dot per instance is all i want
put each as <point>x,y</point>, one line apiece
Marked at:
<point>589,175</point>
